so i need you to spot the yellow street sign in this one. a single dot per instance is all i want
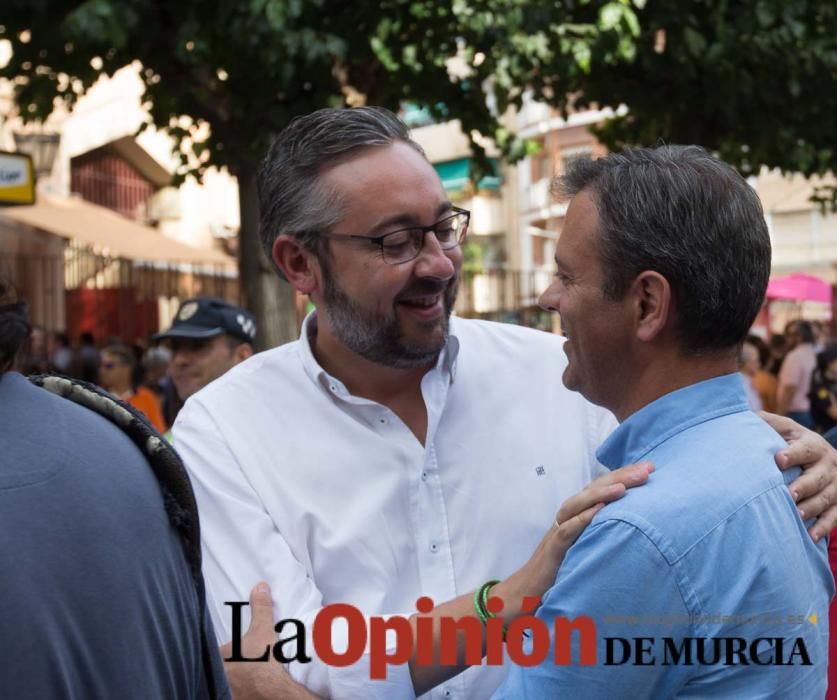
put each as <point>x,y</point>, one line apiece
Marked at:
<point>17,179</point>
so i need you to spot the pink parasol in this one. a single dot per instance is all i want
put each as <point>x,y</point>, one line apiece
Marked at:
<point>799,287</point>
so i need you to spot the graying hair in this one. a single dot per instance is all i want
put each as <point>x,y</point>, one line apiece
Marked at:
<point>292,198</point>
<point>681,212</point>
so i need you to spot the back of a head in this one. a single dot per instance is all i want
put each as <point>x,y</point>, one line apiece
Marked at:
<point>762,347</point>
<point>14,326</point>
<point>826,357</point>
<point>690,217</point>
<point>291,198</point>
<point>806,331</point>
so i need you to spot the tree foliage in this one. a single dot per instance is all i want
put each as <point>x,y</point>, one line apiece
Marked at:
<point>754,80</point>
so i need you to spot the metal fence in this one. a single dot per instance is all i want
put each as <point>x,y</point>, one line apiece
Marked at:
<point>510,296</point>
<point>121,296</point>
<point>114,295</point>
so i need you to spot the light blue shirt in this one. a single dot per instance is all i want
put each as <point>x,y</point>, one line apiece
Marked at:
<point>711,547</point>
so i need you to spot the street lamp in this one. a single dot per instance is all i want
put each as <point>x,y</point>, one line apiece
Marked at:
<point>42,147</point>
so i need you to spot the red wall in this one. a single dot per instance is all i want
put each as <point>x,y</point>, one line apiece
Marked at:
<point>110,313</point>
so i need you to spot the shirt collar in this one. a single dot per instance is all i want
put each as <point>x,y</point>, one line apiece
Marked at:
<point>671,414</point>
<point>446,361</point>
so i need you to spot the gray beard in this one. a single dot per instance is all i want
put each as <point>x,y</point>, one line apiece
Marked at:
<point>377,337</point>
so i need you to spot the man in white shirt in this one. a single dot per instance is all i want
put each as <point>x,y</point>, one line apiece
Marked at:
<point>391,452</point>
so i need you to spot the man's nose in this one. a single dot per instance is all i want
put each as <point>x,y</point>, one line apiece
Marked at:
<point>180,357</point>
<point>550,298</point>
<point>435,262</point>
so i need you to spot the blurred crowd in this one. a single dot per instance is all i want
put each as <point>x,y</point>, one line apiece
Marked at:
<point>794,374</point>
<point>157,374</point>
<point>138,373</point>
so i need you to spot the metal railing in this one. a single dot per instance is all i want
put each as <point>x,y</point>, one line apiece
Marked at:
<point>504,295</point>
<point>53,284</point>
<point>119,295</point>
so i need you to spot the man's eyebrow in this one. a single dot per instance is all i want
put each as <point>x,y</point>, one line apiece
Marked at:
<point>560,264</point>
<point>407,220</point>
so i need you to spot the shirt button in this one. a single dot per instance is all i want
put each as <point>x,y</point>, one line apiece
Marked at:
<point>382,420</point>
<point>333,388</point>
<point>448,693</point>
<point>434,547</point>
<point>424,476</point>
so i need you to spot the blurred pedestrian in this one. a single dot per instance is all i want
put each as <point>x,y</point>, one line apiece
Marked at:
<point>87,360</point>
<point>796,373</point>
<point>60,353</point>
<point>824,391</point>
<point>778,347</point>
<point>820,336</point>
<point>34,358</point>
<point>748,365</point>
<point>155,366</point>
<point>116,373</point>
<point>157,371</point>
<point>763,381</point>
<point>207,338</point>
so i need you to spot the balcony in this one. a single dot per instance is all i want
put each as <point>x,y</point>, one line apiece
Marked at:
<point>499,293</point>
<point>537,196</point>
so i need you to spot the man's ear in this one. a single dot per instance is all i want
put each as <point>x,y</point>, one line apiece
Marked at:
<point>297,264</point>
<point>653,302</point>
<point>242,352</point>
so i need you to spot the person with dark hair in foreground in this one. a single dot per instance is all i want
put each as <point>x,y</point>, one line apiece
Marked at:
<point>712,551</point>
<point>101,593</point>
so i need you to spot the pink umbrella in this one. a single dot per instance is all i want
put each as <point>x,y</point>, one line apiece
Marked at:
<point>799,287</point>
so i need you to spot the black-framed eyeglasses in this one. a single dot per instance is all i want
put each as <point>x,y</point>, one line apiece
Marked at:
<point>405,244</point>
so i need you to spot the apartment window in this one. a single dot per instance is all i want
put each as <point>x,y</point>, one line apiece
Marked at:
<point>542,163</point>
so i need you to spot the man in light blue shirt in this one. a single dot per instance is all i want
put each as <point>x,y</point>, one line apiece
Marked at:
<point>704,583</point>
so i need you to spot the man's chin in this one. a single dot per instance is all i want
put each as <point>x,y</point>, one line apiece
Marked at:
<point>569,379</point>
<point>184,391</point>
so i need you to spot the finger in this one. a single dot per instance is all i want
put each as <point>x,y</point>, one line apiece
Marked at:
<point>811,482</point>
<point>587,498</point>
<point>261,614</point>
<point>605,489</point>
<point>825,524</point>
<point>569,531</point>
<point>817,504</point>
<point>804,451</point>
<point>787,428</point>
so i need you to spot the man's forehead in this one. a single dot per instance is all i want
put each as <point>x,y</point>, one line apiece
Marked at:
<point>186,342</point>
<point>387,185</point>
<point>576,240</point>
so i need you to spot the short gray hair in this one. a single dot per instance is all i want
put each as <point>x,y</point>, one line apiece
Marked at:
<point>681,212</point>
<point>291,197</point>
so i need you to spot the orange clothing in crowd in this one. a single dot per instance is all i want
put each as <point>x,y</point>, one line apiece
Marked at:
<point>766,385</point>
<point>145,401</point>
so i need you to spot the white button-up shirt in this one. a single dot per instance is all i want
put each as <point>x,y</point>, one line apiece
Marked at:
<point>331,499</point>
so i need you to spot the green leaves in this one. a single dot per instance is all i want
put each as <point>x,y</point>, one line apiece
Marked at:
<point>695,42</point>
<point>759,73</point>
